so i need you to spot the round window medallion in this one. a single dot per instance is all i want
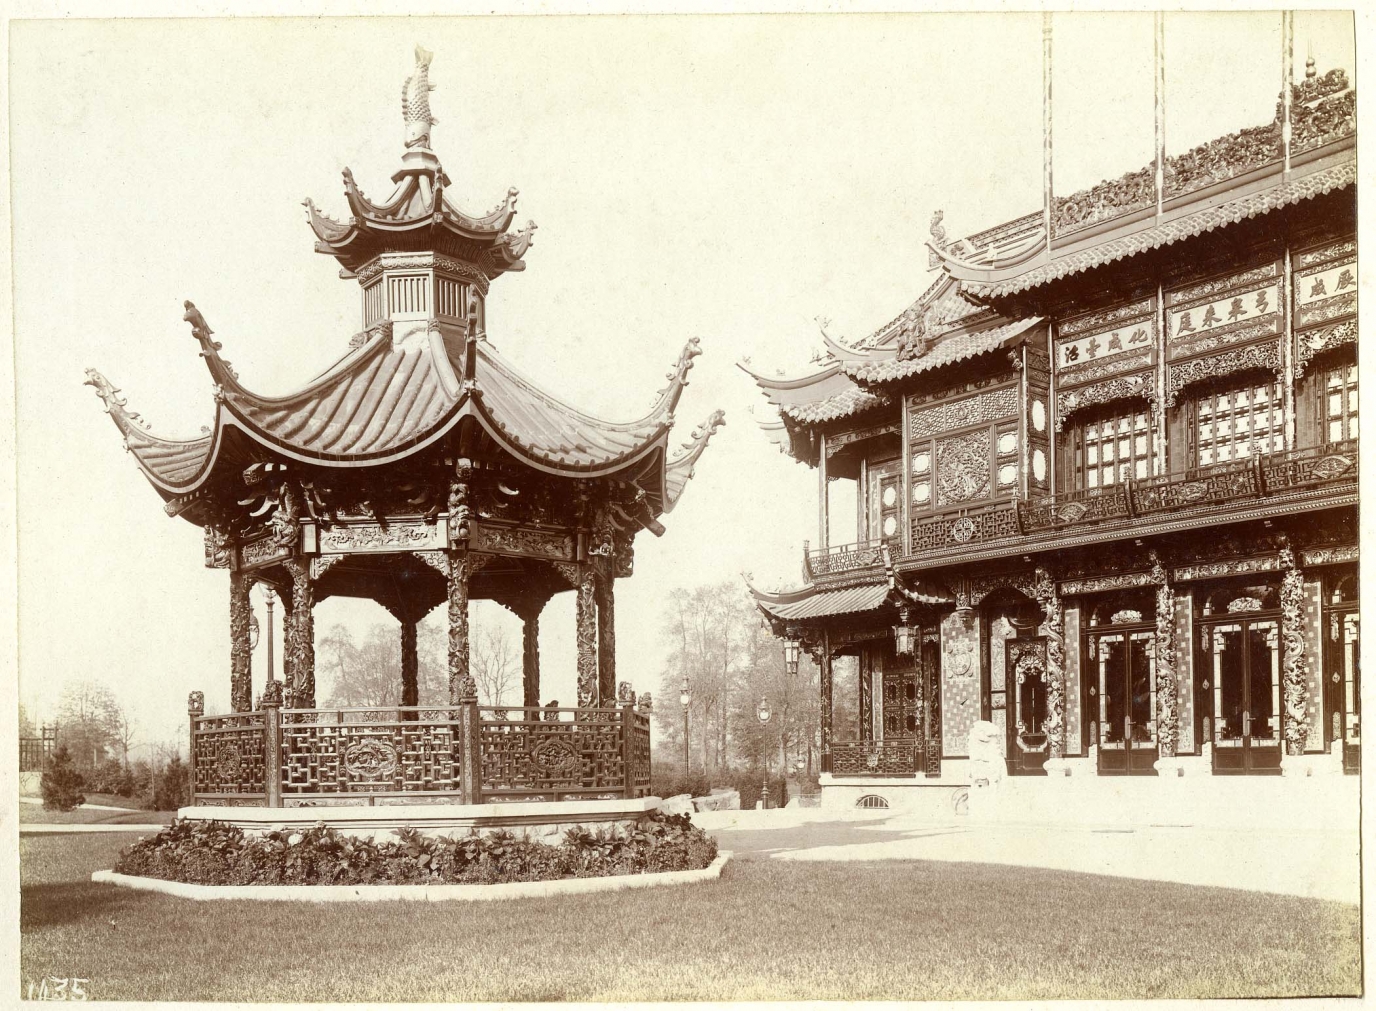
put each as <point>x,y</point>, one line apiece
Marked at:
<point>962,529</point>
<point>890,526</point>
<point>228,762</point>
<point>890,496</point>
<point>1008,442</point>
<point>1039,465</point>
<point>1008,473</point>
<point>1038,415</point>
<point>922,493</point>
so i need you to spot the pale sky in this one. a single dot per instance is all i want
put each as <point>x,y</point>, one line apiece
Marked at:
<point>728,178</point>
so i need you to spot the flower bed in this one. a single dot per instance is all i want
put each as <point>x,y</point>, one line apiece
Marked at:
<point>214,853</point>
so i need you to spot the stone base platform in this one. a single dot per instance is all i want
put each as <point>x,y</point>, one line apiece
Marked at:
<point>543,822</point>
<point>938,797</point>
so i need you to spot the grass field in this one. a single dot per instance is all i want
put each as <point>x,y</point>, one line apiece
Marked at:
<point>36,814</point>
<point>767,929</point>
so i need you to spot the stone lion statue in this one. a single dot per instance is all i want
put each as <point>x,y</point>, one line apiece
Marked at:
<point>986,755</point>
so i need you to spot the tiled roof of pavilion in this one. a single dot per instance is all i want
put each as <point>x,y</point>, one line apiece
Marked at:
<point>391,396</point>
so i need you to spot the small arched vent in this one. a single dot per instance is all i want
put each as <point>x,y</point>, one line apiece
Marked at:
<point>872,800</point>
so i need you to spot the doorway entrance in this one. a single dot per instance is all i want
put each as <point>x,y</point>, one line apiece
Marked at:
<point>1124,665</point>
<point>1244,666</point>
<point>1026,677</point>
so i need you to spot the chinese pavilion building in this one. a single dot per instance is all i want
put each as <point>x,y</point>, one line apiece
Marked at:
<point>421,469</point>
<point>1106,480</point>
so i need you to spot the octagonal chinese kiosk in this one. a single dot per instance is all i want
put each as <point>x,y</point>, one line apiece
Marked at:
<point>419,470</point>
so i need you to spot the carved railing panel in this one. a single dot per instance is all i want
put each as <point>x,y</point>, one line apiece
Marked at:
<point>890,757</point>
<point>1228,482</point>
<point>965,526</point>
<point>372,751</point>
<point>841,558</point>
<point>640,754</point>
<point>1094,505</point>
<point>228,753</point>
<point>1306,468</point>
<point>567,754</point>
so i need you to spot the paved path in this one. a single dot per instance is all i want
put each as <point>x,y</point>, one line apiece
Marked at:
<point>1311,863</point>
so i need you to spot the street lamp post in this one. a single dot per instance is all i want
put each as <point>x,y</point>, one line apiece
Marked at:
<point>763,714</point>
<point>684,697</point>
<point>271,598</point>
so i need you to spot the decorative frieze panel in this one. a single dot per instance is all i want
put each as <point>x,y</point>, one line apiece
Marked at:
<point>1224,567</point>
<point>1324,293</point>
<point>551,544</point>
<point>373,538</point>
<point>262,552</point>
<point>1139,385</point>
<point>1334,555</point>
<point>1105,584</point>
<point>839,441</point>
<point>1263,355</point>
<point>1109,334</point>
<point>993,405</point>
<point>962,468</point>
<point>1311,342</point>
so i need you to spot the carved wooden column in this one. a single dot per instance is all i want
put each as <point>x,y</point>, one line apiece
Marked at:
<point>530,659</point>
<point>240,650</point>
<point>288,665</point>
<point>586,617</point>
<point>1294,661</point>
<point>1055,663</point>
<point>301,635</point>
<point>606,639</point>
<point>866,684</point>
<point>410,664</point>
<point>1167,696</point>
<point>824,663</point>
<point>462,687</point>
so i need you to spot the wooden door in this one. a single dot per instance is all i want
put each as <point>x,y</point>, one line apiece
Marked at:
<point>1025,675</point>
<point>1244,661</point>
<point>1123,668</point>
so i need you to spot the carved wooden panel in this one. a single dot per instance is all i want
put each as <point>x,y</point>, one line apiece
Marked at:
<point>229,755</point>
<point>992,405</point>
<point>552,544</point>
<point>371,538</point>
<point>385,755</point>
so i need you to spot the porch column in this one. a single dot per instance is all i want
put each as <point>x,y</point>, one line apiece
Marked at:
<point>606,640</point>
<point>586,614</point>
<point>301,636</point>
<point>410,664</point>
<point>1167,696</point>
<point>824,665</point>
<point>240,652</point>
<point>530,659</point>
<point>1054,625</point>
<point>462,687</point>
<point>288,661</point>
<point>1294,660</point>
<point>866,684</point>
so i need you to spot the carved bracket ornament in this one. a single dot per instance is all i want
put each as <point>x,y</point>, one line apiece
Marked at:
<point>1265,355</point>
<point>437,560</point>
<point>322,564</point>
<point>1307,345</point>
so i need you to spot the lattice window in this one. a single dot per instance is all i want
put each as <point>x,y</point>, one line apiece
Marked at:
<point>1340,403</point>
<point>1108,447</point>
<point>1238,423</point>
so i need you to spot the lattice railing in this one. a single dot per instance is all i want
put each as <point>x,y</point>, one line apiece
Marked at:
<point>903,756</point>
<point>228,757</point>
<point>1094,505</point>
<point>372,751</point>
<point>1227,482</point>
<point>840,558</point>
<point>455,754</point>
<point>965,526</point>
<point>1307,468</point>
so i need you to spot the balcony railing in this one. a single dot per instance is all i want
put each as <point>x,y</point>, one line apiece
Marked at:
<point>842,558</point>
<point>460,754</point>
<point>901,756</point>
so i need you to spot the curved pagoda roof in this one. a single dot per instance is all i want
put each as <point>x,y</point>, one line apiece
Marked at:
<point>406,386</point>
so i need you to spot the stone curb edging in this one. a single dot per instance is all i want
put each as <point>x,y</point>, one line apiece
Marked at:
<point>415,893</point>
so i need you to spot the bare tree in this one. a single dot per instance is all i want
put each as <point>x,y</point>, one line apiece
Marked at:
<point>88,717</point>
<point>495,664</point>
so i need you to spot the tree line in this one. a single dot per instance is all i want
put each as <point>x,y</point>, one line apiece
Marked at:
<point>723,654</point>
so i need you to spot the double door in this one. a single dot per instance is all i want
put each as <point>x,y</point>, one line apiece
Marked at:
<point>1243,664</point>
<point>1025,679</point>
<point>1345,684</point>
<point>1125,665</point>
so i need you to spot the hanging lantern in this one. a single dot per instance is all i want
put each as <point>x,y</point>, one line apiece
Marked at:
<point>763,712</point>
<point>903,634</point>
<point>793,650</point>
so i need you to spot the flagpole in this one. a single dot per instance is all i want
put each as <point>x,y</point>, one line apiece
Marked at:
<point>1047,199</point>
<point>1160,89</point>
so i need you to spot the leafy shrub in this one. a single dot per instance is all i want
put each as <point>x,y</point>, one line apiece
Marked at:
<point>748,782</point>
<point>113,778</point>
<point>172,786</point>
<point>216,853</point>
<point>61,783</point>
<point>673,784</point>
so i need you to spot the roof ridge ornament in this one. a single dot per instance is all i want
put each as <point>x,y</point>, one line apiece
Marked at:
<point>200,329</point>
<point>415,101</point>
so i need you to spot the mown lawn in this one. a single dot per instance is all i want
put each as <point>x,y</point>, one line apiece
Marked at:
<point>768,929</point>
<point>36,814</point>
